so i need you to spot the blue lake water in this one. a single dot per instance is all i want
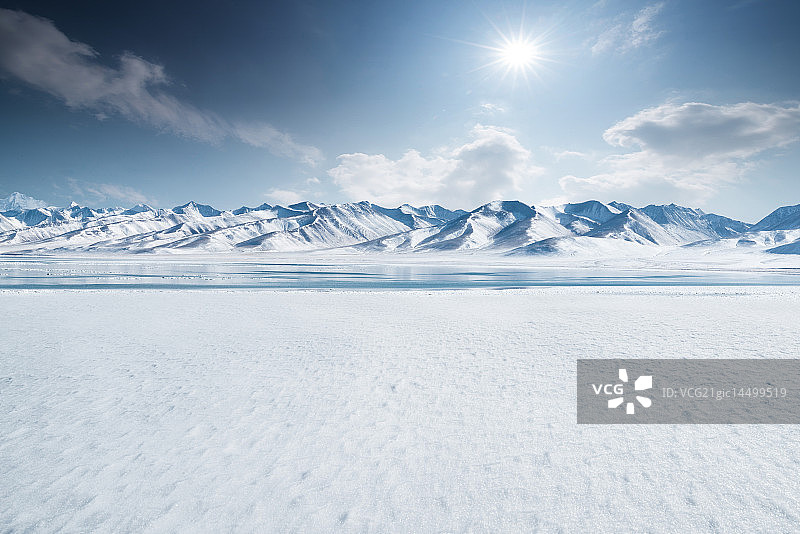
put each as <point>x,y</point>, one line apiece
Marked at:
<point>357,273</point>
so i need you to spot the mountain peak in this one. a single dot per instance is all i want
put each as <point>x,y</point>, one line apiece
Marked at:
<point>245,209</point>
<point>138,208</point>
<point>16,201</point>
<point>621,206</point>
<point>783,218</point>
<point>512,206</point>
<point>193,207</point>
<point>305,206</point>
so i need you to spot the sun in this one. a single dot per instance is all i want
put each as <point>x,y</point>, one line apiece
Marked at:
<point>518,55</point>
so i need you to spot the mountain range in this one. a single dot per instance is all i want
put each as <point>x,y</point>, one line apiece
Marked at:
<point>509,227</point>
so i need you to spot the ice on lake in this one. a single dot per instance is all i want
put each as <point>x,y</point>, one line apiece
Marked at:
<point>373,271</point>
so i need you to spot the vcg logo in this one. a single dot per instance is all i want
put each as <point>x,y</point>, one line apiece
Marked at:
<point>642,383</point>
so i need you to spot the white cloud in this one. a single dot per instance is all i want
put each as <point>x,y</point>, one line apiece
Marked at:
<point>693,147</point>
<point>93,192</point>
<point>411,178</point>
<point>488,108</point>
<point>697,131</point>
<point>308,190</point>
<point>34,51</point>
<point>632,33</point>
<point>492,165</point>
<point>559,154</point>
<point>285,196</point>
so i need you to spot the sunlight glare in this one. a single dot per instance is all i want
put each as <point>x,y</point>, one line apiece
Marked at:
<point>518,54</point>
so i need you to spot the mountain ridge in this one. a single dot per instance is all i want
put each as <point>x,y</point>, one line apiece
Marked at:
<point>501,226</point>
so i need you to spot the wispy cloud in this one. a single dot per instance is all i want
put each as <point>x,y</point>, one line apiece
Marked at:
<point>492,165</point>
<point>491,109</point>
<point>34,51</point>
<point>277,142</point>
<point>93,192</point>
<point>691,146</point>
<point>633,32</point>
<point>559,154</point>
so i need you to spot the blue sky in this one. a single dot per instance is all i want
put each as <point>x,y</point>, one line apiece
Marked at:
<point>114,103</point>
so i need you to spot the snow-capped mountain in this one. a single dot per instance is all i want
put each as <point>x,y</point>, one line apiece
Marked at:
<point>195,226</point>
<point>636,226</point>
<point>484,227</point>
<point>667,225</point>
<point>779,232</point>
<point>477,228</point>
<point>689,224</point>
<point>20,202</point>
<point>785,218</point>
<point>245,209</point>
<point>513,227</point>
<point>193,208</point>
<point>338,225</point>
<point>583,217</point>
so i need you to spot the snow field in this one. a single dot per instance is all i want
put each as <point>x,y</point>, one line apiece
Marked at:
<point>376,411</point>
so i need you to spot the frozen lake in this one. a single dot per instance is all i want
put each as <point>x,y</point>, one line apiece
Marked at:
<point>376,411</point>
<point>416,271</point>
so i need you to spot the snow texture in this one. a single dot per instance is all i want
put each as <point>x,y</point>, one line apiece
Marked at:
<point>378,411</point>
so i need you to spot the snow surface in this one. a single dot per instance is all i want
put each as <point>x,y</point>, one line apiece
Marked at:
<point>377,411</point>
